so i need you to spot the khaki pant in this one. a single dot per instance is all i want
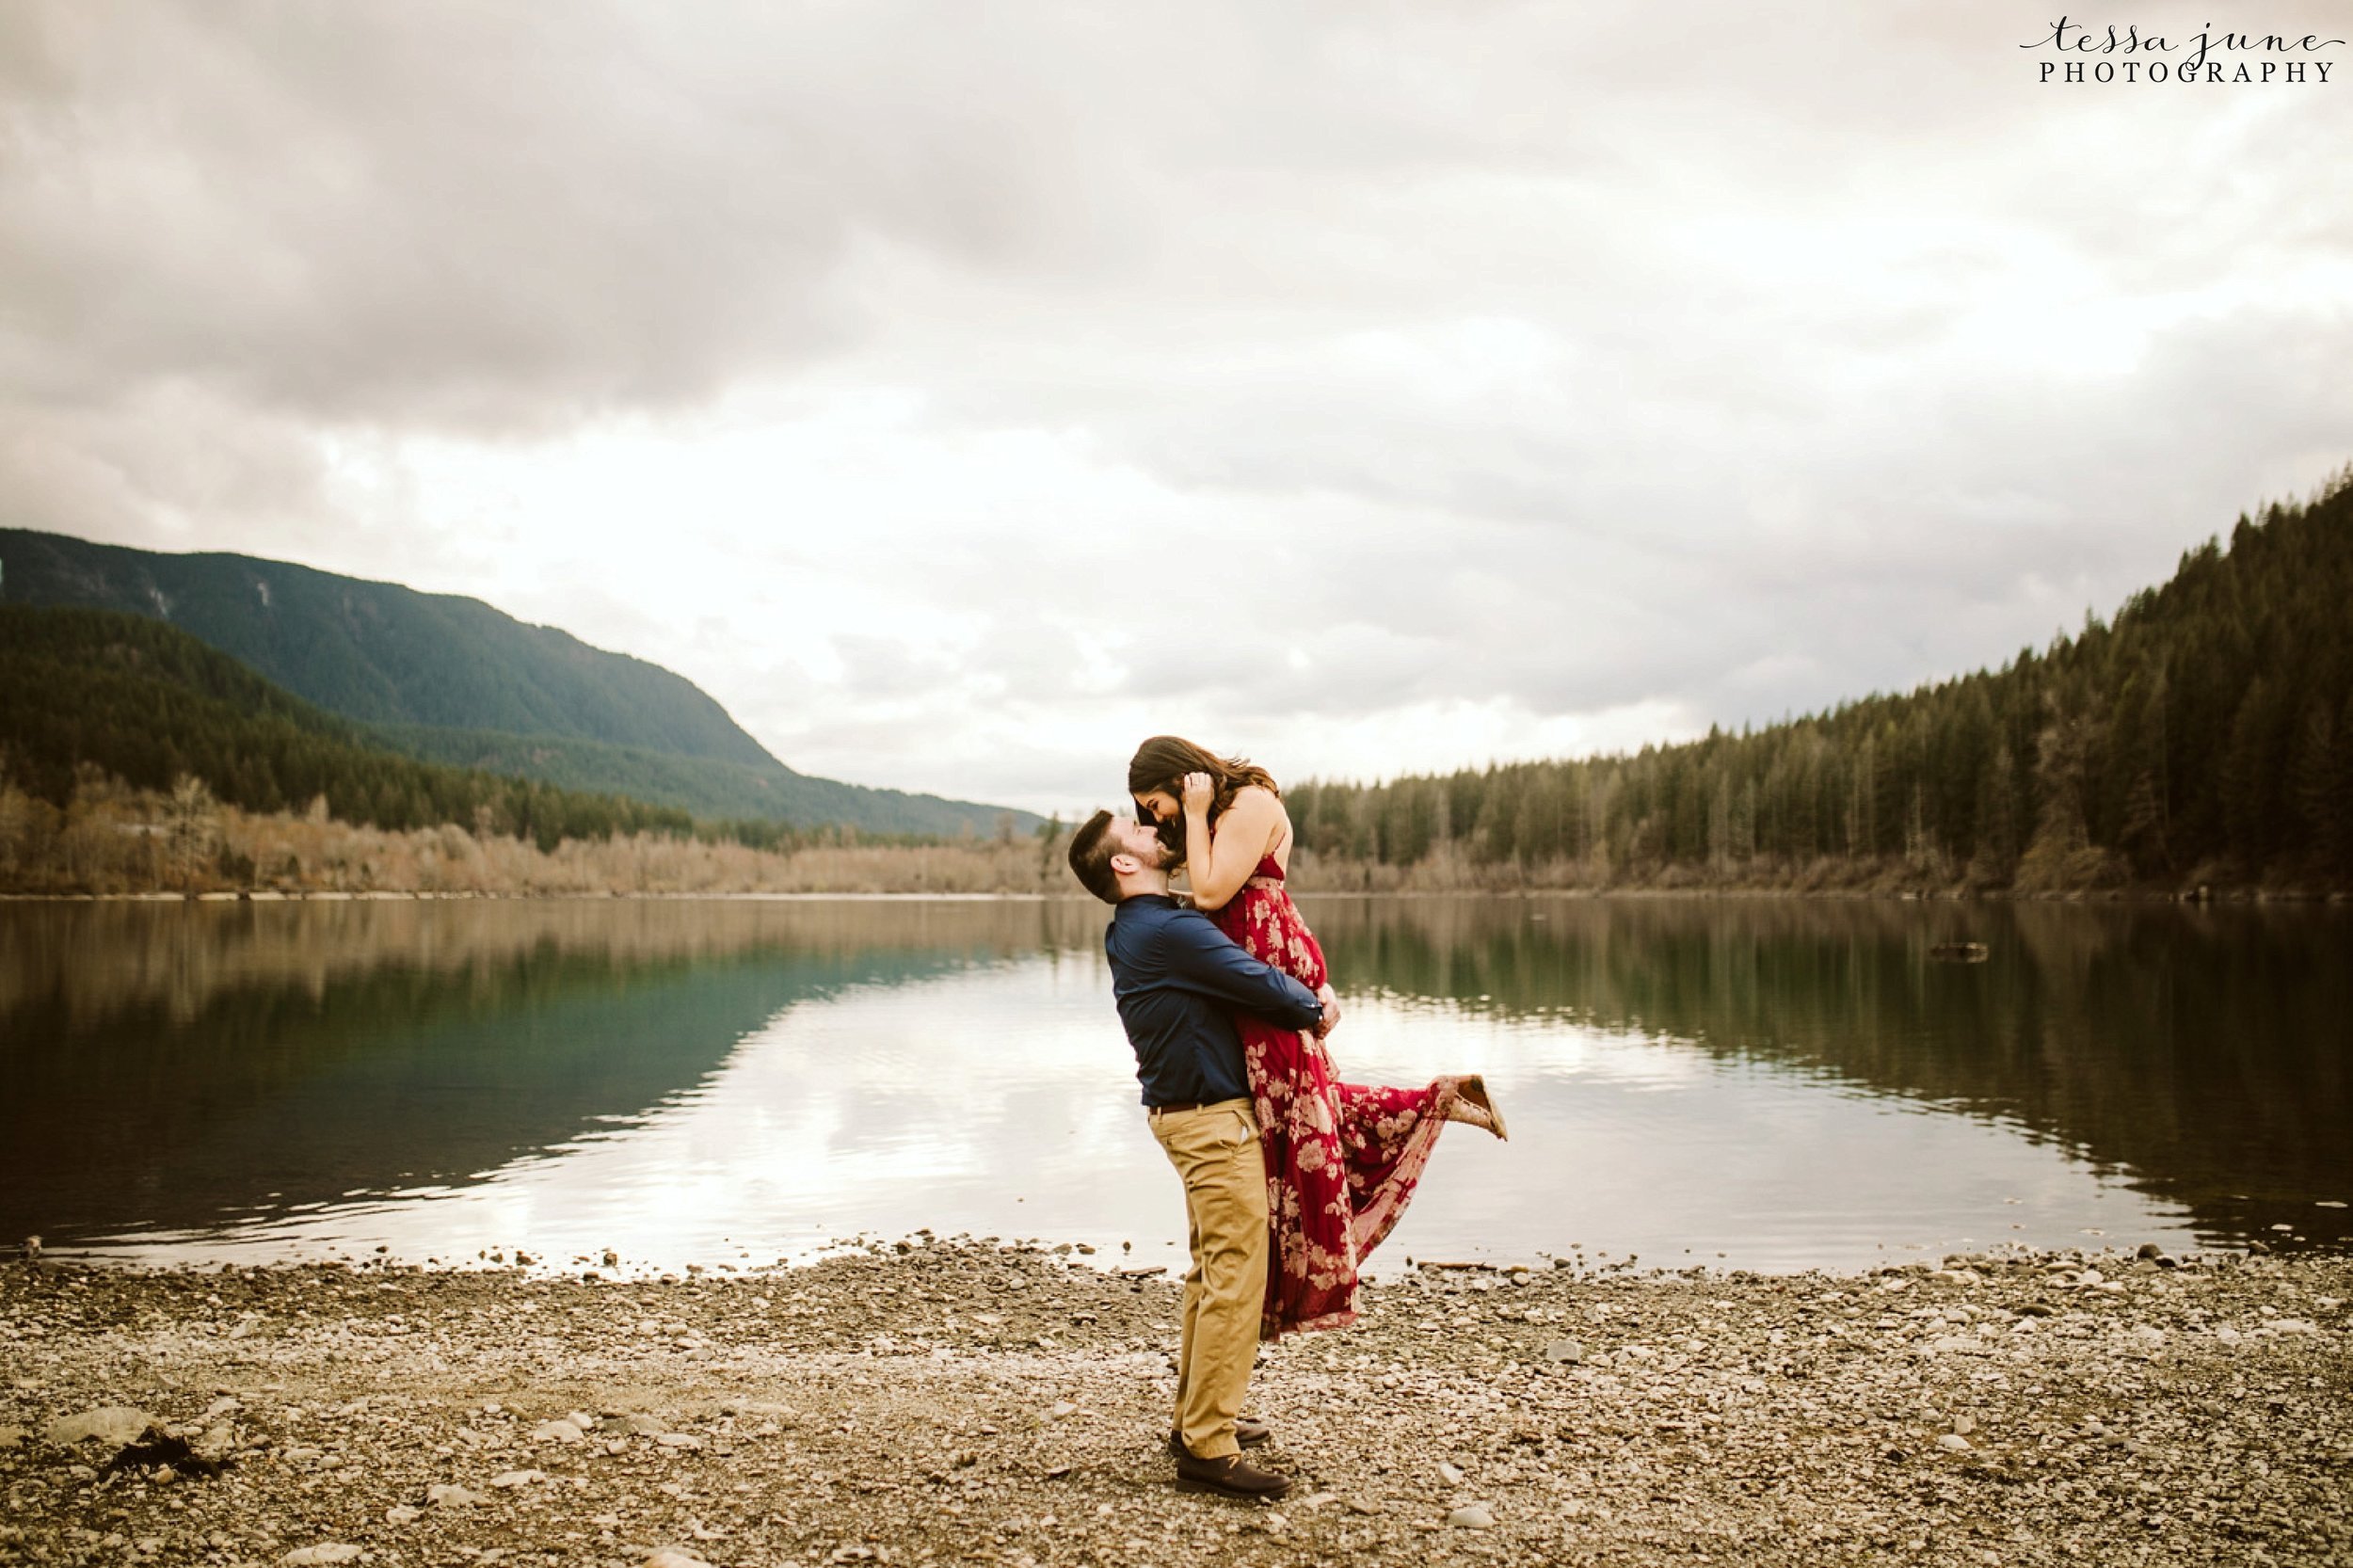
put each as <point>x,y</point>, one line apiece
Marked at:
<point>1215,1150</point>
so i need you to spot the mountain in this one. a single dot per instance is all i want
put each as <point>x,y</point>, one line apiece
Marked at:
<point>709,788</point>
<point>145,702</point>
<point>450,679</point>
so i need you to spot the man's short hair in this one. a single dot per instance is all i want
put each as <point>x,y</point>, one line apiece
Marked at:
<point>1091,851</point>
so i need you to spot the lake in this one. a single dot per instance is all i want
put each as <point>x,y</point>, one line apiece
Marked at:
<point>1757,1083</point>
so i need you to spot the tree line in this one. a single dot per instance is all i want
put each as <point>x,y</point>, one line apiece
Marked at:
<point>2204,735</point>
<point>124,739</point>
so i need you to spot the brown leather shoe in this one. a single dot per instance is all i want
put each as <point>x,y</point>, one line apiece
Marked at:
<point>1232,1476</point>
<point>1248,1430</point>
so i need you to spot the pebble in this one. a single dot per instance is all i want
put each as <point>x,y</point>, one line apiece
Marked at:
<point>905,1458</point>
<point>315,1556</point>
<point>510,1480</point>
<point>1450,1474</point>
<point>1953,1443</point>
<point>1568,1351</point>
<point>670,1557</point>
<point>556,1432</point>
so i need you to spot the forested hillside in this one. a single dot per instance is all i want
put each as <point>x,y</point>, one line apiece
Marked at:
<point>380,653</point>
<point>452,680</point>
<point>2205,735</point>
<point>146,703</point>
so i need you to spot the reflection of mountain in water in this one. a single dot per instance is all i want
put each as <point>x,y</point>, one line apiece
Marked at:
<point>177,1064</point>
<point>2209,1052</point>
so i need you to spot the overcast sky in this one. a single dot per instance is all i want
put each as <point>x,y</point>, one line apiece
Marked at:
<point>961,393</point>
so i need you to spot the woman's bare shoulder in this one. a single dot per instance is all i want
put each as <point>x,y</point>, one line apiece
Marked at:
<point>1256,802</point>
<point>1262,810</point>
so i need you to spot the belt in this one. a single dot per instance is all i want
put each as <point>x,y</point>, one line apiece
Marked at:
<point>1181,1105</point>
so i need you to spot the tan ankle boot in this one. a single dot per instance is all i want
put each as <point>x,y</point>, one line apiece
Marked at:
<point>1475,1105</point>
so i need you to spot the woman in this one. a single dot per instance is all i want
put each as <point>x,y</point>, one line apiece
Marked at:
<point>1341,1158</point>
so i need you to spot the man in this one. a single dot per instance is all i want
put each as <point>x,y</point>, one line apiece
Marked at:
<point>1177,980</point>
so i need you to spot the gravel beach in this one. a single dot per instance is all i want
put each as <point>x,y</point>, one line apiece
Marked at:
<point>962,1402</point>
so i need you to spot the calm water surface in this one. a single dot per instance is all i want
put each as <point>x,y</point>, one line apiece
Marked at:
<point>1753,1083</point>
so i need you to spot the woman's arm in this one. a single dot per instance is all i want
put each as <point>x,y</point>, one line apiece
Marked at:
<point>1218,864</point>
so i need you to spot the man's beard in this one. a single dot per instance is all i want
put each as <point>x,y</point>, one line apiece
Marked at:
<point>1170,835</point>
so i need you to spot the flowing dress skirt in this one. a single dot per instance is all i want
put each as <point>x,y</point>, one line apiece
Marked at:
<point>1341,1158</point>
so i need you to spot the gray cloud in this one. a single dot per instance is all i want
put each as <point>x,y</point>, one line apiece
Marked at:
<point>488,217</point>
<point>1680,356</point>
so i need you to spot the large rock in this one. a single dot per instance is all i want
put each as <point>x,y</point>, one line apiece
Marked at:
<point>114,1424</point>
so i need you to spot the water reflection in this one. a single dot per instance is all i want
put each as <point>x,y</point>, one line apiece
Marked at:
<point>1782,1083</point>
<point>2204,1054</point>
<point>181,1067</point>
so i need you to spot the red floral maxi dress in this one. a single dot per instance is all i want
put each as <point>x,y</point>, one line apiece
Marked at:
<point>1341,1158</point>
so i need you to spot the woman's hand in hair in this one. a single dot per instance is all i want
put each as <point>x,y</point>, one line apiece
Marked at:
<point>1217,864</point>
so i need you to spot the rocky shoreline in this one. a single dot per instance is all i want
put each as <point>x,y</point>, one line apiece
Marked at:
<point>959,1402</point>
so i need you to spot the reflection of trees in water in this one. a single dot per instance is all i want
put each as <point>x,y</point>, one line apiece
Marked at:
<point>2207,1051</point>
<point>92,960</point>
<point>162,1057</point>
<point>196,1056</point>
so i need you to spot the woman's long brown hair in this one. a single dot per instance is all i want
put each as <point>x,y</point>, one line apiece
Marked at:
<point>1162,764</point>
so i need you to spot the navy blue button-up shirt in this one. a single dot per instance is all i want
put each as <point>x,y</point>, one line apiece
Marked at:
<point>1179,980</point>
